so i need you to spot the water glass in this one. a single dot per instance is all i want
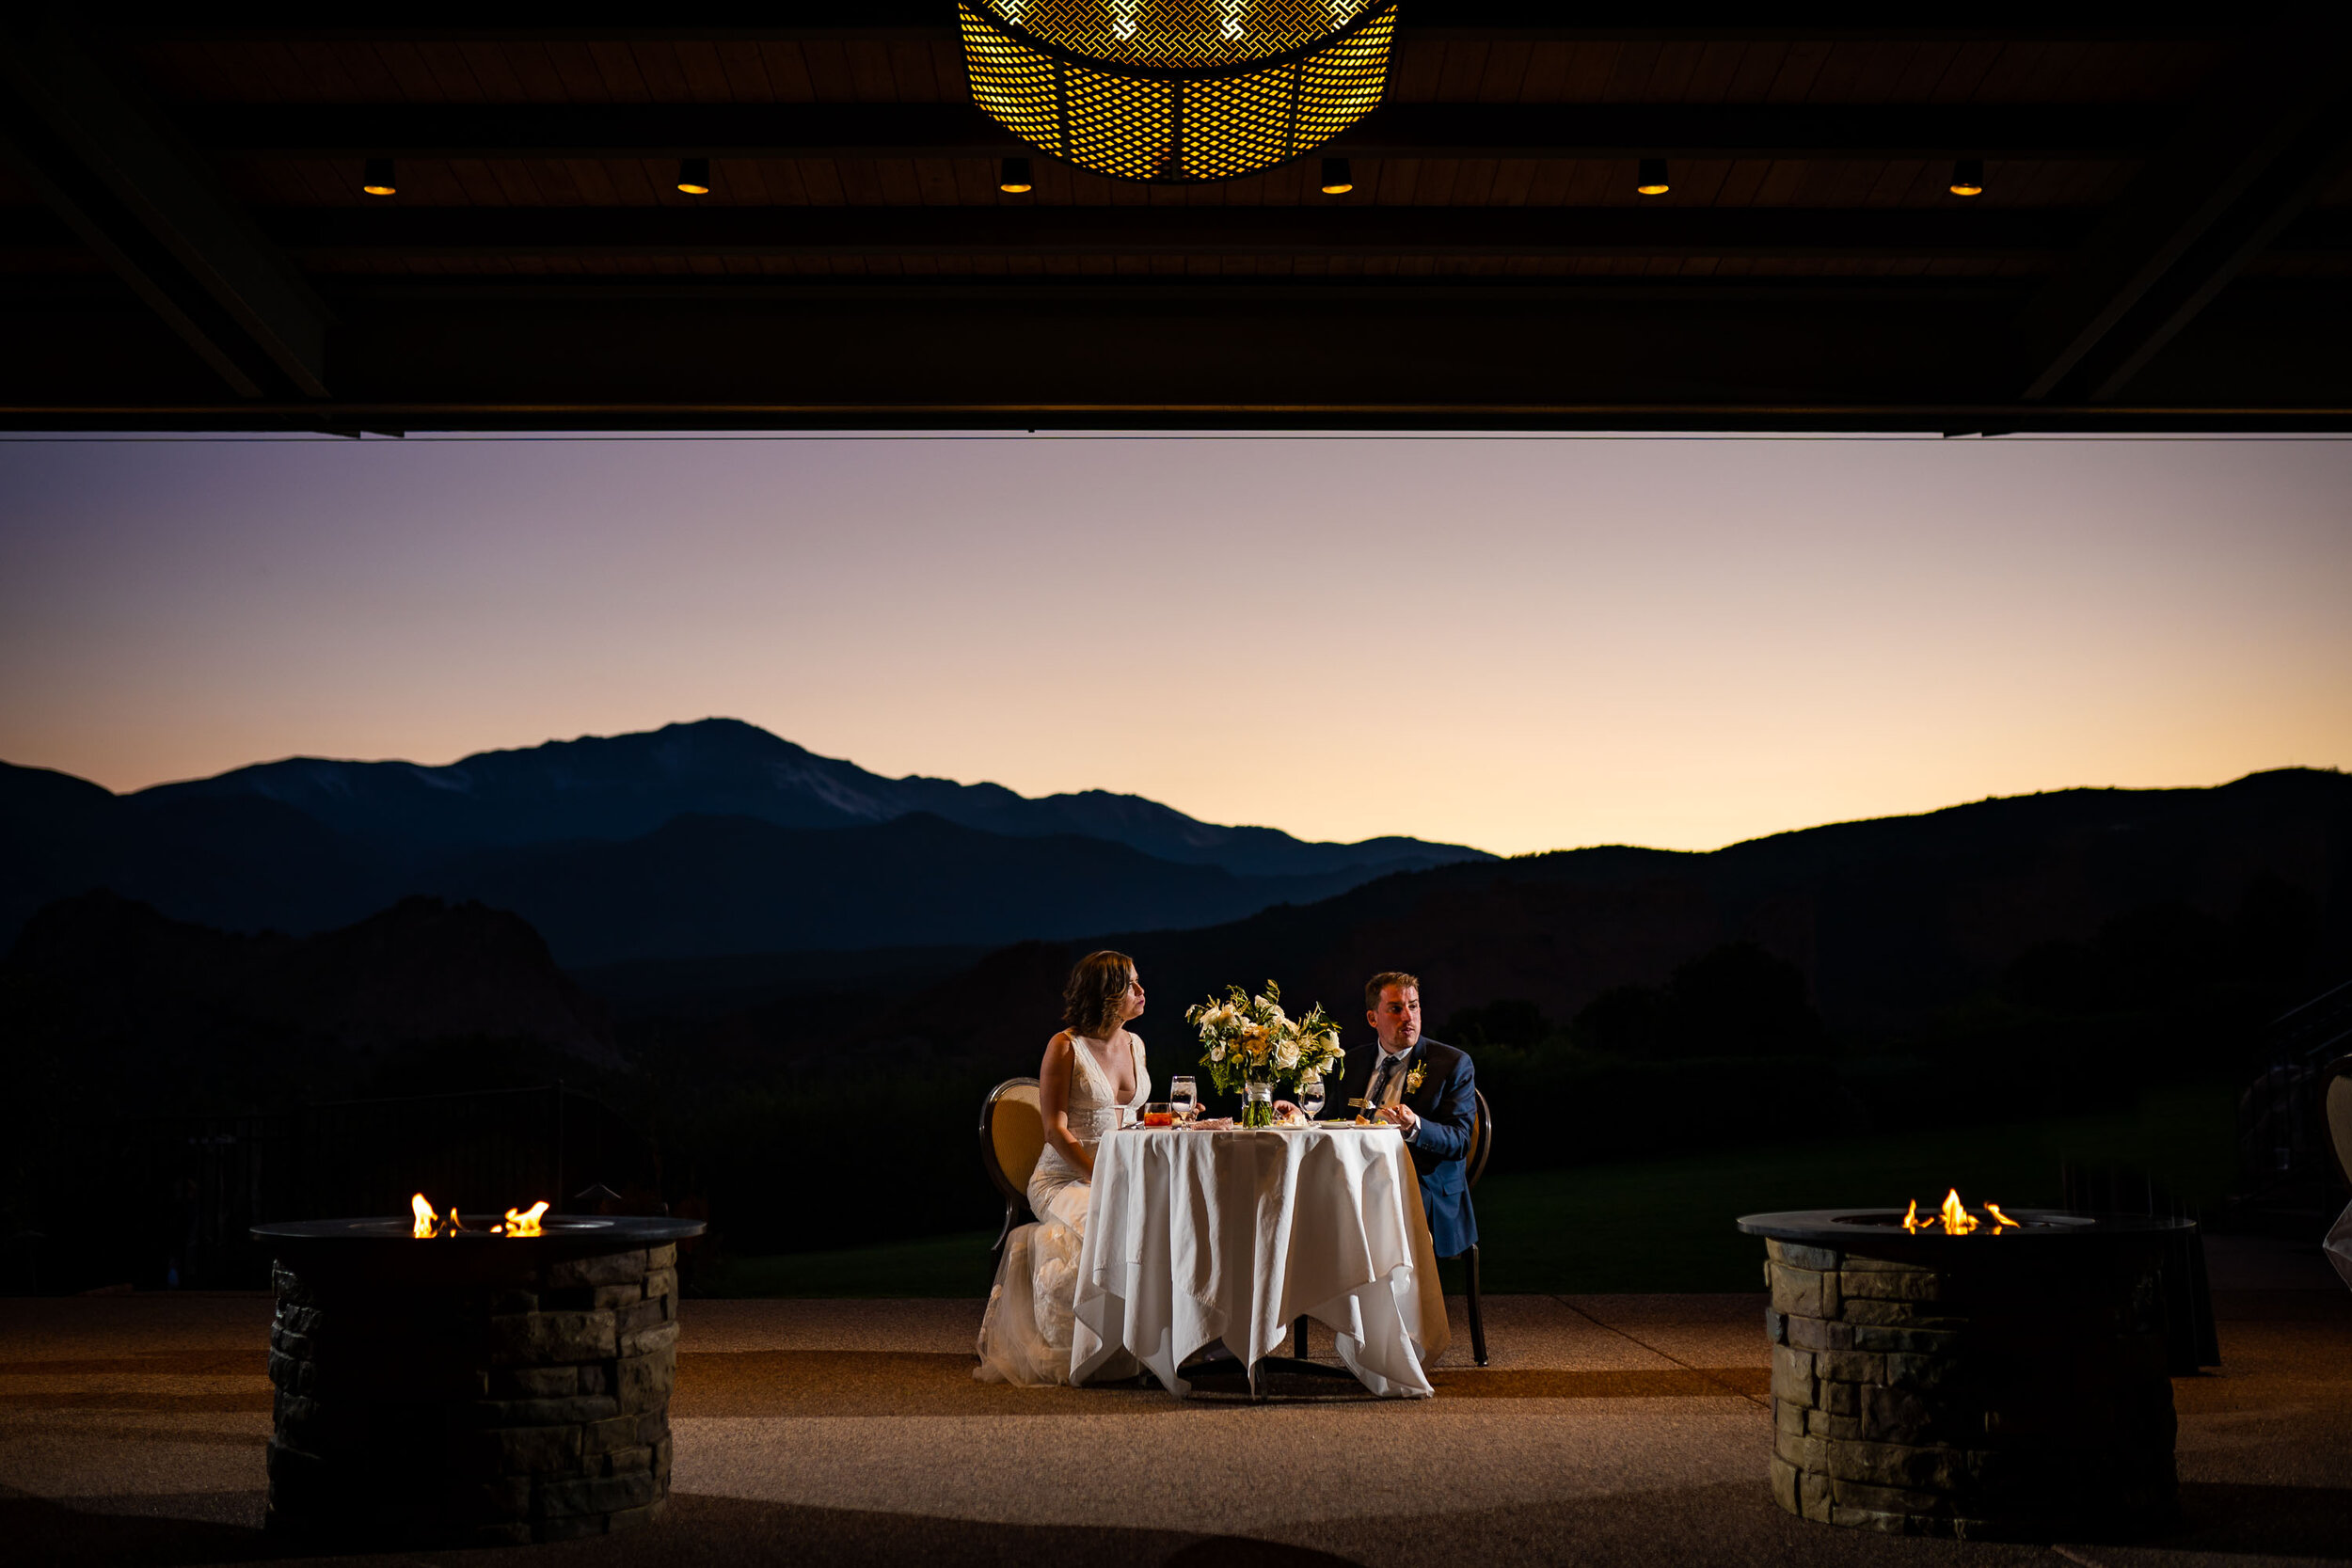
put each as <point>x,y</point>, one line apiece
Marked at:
<point>1311,1096</point>
<point>1186,1097</point>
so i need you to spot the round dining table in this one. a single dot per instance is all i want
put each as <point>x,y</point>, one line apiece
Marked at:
<point>1197,1235</point>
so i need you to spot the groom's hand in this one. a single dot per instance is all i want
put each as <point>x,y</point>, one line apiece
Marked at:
<point>1404,1116</point>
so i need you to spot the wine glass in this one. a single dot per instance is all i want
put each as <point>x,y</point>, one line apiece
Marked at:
<point>1185,1096</point>
<point>1311,1096</point>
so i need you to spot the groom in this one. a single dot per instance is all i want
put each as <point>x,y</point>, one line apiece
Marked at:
<point>1428,1090</point>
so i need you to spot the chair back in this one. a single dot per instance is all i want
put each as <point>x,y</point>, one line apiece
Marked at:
<point>1012,1136</point>
<point>1481,1140</point>
<point>2336,1104</point>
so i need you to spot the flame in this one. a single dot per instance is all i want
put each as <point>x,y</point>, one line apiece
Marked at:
<point>1955,1218</point>
<point>524,1222</point>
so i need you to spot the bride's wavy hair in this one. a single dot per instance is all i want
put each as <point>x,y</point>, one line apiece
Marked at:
<point>1090,1002</point>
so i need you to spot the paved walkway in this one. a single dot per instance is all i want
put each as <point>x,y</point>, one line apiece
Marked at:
<point>1609,1430</point>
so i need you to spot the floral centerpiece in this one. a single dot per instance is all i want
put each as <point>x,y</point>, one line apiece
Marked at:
<point>1250,1043</point>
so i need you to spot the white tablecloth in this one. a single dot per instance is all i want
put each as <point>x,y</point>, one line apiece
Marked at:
<point>1196,1236</point>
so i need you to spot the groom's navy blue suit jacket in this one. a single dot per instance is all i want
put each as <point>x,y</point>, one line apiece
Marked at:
<point>1447,1103</point>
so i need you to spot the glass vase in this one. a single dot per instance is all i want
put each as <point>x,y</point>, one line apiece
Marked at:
<point>1257,1106</point>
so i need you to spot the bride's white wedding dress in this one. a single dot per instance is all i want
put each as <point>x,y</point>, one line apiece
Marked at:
<point>1026,1336</point>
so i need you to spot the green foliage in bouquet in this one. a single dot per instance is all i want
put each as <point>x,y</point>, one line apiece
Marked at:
<point>1250,1039</point>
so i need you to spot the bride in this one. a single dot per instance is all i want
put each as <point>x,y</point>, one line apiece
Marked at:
<point>1093,1071</point>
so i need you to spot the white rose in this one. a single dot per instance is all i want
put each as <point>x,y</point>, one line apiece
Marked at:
<point>1286,1054</point>
<point>1216,1051</point>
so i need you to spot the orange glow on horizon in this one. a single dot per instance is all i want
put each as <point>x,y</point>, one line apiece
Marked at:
<point>1517,644</point>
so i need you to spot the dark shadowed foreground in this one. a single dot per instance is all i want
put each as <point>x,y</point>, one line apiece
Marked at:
<point>1609,1430</point>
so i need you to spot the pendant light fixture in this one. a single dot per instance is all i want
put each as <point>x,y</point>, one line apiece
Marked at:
<point>1652,179</point>
<point>1177,91</point>
<point>1968,177</point>
<point>375,177</point>
<point>694,176</point>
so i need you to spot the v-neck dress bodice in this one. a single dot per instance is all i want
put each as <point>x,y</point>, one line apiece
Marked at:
<point>1094,1100</point>
<point>1093,1110</point>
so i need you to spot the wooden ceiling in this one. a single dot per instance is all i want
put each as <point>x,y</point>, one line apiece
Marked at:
<point>2165,239</point>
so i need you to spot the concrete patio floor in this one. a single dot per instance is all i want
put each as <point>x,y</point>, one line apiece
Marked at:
<point>1609,1430</point>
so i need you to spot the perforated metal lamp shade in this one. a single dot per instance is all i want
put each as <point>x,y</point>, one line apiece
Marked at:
<point>1177,91</point>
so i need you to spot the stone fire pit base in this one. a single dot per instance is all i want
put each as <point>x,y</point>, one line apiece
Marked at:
<point>533,1406</point>
<point>2001,1389</point>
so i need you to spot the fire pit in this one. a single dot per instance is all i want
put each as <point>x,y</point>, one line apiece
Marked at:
<point>440,1385</point>
<point>1969,1373</point>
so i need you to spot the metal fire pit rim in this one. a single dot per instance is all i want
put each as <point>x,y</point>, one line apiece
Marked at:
<point>1862,1225</point>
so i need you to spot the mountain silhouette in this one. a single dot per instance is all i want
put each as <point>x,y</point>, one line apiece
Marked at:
<point>702,885</point>
<point>1887,920</point>
<point>692,841</point>
<point>2003,958</point>
<point>624,787</point>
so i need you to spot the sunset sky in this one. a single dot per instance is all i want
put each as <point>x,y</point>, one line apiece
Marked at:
<point>1520,645</point>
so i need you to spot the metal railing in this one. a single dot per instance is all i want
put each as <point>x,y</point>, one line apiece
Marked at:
<point>2283,1152</point>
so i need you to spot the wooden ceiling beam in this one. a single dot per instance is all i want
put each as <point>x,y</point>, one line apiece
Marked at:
<point>115,178</point>
<point>1986,234</point>
<point>1502,131</point>
<point>420,352</point>
<point>1446,21</point>
<point>1844,234</point>
<point>2271,133</point>
<point>2267,217</point>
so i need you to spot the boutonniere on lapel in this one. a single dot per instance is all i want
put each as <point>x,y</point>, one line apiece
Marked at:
<point>1412,1078</point>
